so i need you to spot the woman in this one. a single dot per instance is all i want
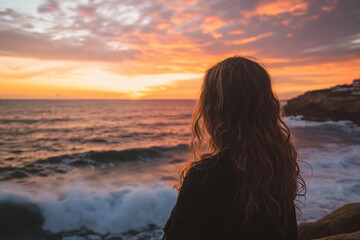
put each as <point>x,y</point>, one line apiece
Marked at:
<point>244,185</point>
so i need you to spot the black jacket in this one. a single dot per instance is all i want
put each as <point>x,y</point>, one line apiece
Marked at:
<point>204,210</point>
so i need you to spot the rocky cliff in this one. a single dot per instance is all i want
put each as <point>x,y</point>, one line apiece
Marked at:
<point>342,224</point>
<point>327,104</point>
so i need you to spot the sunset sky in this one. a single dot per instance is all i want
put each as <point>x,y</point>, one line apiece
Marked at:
<point>151,49</point>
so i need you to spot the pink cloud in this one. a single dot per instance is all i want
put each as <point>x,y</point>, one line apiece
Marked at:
<point>175,35</point>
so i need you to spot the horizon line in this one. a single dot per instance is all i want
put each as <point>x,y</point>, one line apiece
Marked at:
<point>107,99</point>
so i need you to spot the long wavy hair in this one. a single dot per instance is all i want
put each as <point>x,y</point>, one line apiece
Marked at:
<point>238,113</point>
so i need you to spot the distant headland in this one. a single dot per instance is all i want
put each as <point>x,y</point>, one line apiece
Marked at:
<point>341,102</point>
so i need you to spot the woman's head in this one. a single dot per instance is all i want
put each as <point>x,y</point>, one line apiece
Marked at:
<point>236,97</point>
<point>239,114</point>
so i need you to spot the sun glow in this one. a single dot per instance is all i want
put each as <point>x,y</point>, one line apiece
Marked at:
<point>135,50</point>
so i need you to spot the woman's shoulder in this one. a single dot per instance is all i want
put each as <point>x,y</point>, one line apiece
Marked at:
<point>215,164</point>
<point>208,170</point>
<point>202,167</point>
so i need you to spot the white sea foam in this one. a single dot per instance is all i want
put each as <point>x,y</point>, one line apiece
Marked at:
<point>129,208</point>
<point>297,121</point>
<point>334,180</point>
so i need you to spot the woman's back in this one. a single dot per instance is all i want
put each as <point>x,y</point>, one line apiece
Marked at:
<point>205,208</point>
<point>244,177</point>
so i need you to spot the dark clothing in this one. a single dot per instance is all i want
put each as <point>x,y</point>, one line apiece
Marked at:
<point>204,210</point>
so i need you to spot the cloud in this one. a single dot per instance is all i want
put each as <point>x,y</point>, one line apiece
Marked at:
<point>140,30</point>
<point>141,37</point>
<point>297,7</point>
<point>179,89</point>
<point>86,11</point>
<point>48,7</point>
<point>40,46</point>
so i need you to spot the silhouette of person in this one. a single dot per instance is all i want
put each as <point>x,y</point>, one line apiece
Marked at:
<point>244,177</point>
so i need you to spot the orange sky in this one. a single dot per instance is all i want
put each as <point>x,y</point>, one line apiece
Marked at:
<point>160,49</point>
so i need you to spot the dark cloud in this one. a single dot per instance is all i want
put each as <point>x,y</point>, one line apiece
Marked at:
<point>325,38</point>
<point>39,46</point>
<point>9,13</point>
<point>48,7</point>
<point>317,35</point>
<point>318,31</point>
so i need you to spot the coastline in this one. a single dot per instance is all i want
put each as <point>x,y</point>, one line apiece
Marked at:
<point>336,103</point>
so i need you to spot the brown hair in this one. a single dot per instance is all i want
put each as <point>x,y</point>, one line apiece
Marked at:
<point>238,113</point>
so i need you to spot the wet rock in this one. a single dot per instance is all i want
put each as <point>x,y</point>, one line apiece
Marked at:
<point>345,220</point>
<point>54,236</point>
<point>20,220</point>
<point>345,236</point>
<point>325,105</point>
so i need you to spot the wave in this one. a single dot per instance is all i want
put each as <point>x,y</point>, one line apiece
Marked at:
<point>91,140</point>
<point>29,131</point>
<point>163,124</point>
<point>178,116</point>
<point>64,163</point>
<point>104,157</point>
<point>298,121</point>
<point>332,180</point>
<point>33,120</point>
<point>317,134</point>
<point>132,208</point>
<point>102,134</point>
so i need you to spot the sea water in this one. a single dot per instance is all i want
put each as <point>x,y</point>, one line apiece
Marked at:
<point>101,169</point>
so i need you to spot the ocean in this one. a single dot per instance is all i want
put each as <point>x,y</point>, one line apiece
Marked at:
<point>104,169</point>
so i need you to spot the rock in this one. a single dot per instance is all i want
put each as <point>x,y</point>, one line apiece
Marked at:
<point>344,220</point>
<point>54,236</point>
<point>20,220</point>
<point>326,104</point>
<point>345,236</point>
